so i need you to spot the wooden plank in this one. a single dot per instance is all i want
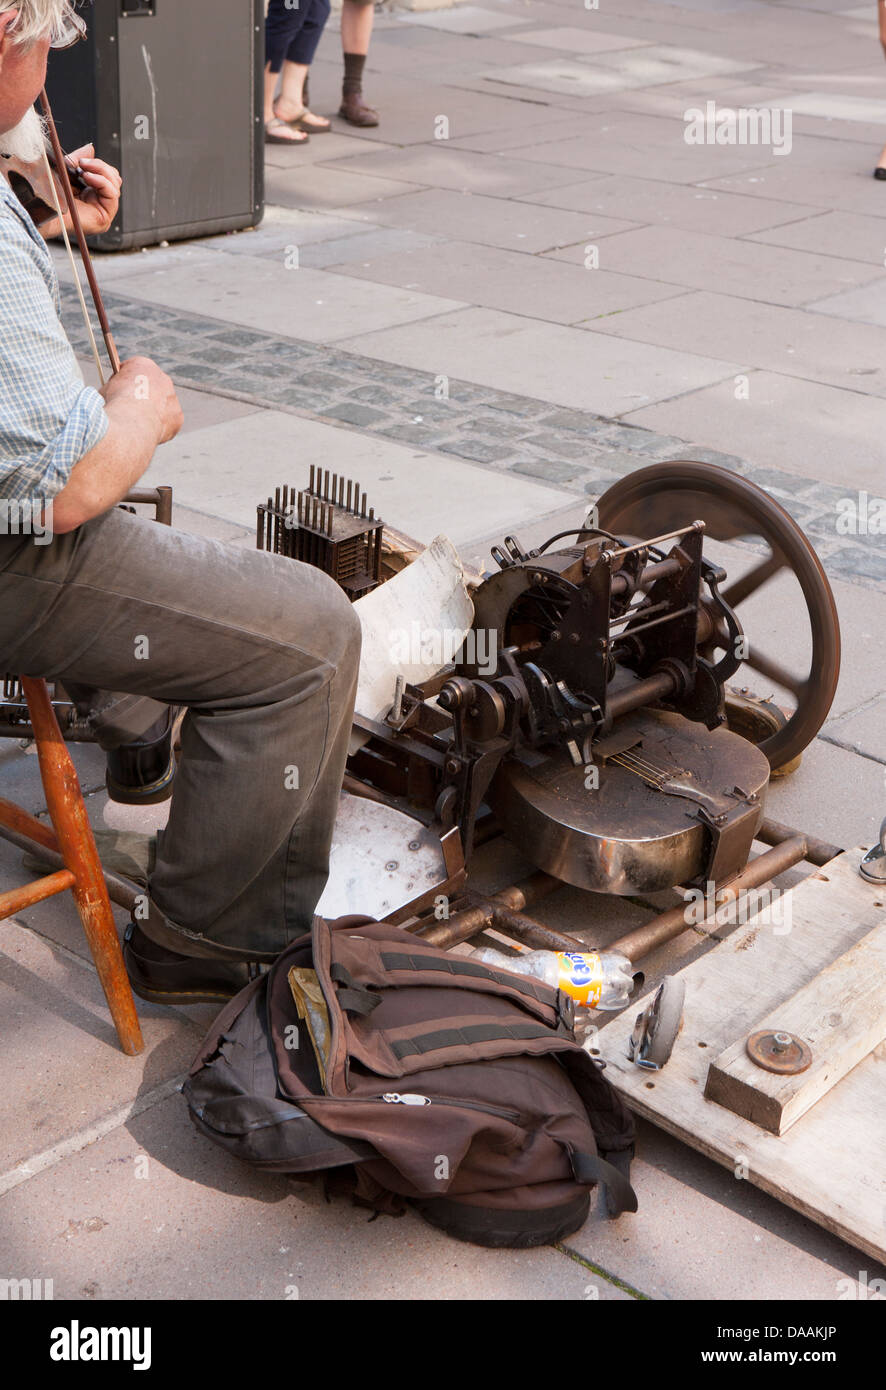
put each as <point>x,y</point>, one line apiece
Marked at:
<point>840,1015</point>
<point>830,1165</point>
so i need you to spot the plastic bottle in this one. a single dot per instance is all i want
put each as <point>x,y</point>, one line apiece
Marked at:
<point>598,980</point>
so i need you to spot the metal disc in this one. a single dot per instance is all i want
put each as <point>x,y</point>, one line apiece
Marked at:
<point>783,1053</point>
<point>380,859</point>
<point>623,836</point>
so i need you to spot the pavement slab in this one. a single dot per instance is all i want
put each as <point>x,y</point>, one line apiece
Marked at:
<point>265,294</point>
<point>673,205</point>
<point>567,365</point>
<point>474,217</point>
<point>154,1211</point>
<point>845,234</point>
<point>867,305</point>
<point>398,480</point>
<point>494,278</point>
<point>463,170</point>
<point>52,1005</point>
<point>777,275</point>
<point>778,338</point>
<point>797,426</point>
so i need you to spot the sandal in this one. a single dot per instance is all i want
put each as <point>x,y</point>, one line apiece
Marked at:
<point>308,122</point>
<point>293,137</point>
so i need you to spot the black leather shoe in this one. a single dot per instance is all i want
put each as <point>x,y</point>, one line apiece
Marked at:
<point>165,977</point>
<point>141,773</point>
<point>880,172</point>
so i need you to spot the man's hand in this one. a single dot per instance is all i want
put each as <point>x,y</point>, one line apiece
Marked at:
<point>141,380</point>
<point>143,411</point>
<point>98,207</point>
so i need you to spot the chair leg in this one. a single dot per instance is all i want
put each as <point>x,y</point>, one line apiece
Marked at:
<point>67,811</point>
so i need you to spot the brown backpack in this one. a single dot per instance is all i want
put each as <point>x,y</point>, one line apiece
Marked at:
<point>437,1080</point>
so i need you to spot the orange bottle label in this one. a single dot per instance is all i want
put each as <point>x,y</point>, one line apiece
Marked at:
<point>581,976</point>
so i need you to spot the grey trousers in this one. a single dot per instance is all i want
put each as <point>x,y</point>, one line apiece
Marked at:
<point>263,651</point>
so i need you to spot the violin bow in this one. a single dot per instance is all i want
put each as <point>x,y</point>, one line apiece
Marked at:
<point>62,171</point>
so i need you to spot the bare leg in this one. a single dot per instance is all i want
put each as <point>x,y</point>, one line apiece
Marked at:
<point>356,26</point>
<point>280,131</point>
<point>291,105</point>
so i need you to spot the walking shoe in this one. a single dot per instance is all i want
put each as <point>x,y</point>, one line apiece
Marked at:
<point>165,977</point>
<point>141,773</point>
<point>354,110</point>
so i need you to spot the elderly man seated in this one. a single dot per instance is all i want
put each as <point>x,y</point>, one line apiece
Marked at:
<point>262,652</point>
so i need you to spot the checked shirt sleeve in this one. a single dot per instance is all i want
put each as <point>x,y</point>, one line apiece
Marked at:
<point>48,418</point>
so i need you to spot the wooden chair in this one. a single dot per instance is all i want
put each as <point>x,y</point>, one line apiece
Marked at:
<point>82,874</point>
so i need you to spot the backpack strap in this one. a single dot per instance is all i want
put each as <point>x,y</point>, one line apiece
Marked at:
<point>468,1036</point>
<point>352,998</point>
<point>539,998</point>
<point>590,1169</point>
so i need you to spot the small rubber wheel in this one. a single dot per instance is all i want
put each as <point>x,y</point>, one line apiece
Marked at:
<point>667,1019</point>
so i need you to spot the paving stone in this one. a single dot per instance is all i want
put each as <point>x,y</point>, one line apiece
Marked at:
<point>571,366</point>
<point>848,187</point>
<point>480,450</point>
<point>749,1238</point>
<point>463,170</point>
<point>316,187</point>
<point>355,414</point>
<point>782,339</point>
<point>845,234</point>
<point>52,1007</point>
<point>401,482</point>
<point>792,425</point>
<point>489,221</point>
<point>307,304</point>
<point>671,205</point>
<point>858,562</point>
<point>499,279</point>
<point>572,40</point>
<point>577,420</point>
<point>467,19</point>
<point>777,275</point>
<point>552,470</point>
<point>377,395</point>
<point>867,305</point>
<point>863,731</point>
<point>199,1225</point>
<point>730,461</point>
<point>365,245</point>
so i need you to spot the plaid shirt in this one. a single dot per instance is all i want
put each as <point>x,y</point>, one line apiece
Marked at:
<point>48,418</point>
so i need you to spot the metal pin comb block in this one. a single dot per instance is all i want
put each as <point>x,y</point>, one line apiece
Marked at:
<point>325,525</point>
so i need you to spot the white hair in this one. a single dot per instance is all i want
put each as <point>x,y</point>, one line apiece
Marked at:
<point>37,19</point>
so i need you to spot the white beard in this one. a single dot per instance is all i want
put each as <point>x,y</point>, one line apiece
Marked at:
<point>27,140</point>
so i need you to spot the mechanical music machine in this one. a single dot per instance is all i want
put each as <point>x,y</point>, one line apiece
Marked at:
<point>609,731</point>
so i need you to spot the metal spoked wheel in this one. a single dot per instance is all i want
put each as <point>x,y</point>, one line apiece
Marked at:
<point>665,496</point>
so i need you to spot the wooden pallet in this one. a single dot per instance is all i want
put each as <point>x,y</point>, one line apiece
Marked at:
<point>831,1163</point>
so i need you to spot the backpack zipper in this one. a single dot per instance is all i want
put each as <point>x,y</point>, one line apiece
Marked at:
<point>410,1098</point>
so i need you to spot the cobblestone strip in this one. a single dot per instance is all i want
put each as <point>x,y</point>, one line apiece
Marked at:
<point>575,450</point>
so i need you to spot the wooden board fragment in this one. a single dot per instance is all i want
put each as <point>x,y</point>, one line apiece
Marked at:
<point>831,1164</point>
<point>840,1015</point>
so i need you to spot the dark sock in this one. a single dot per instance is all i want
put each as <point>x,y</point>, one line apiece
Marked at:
<point>353,73</point>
